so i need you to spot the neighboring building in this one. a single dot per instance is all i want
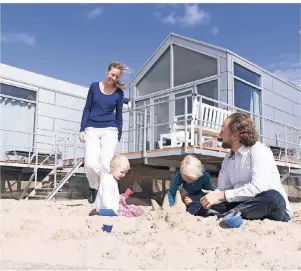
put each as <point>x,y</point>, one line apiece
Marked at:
<point>34,108</point>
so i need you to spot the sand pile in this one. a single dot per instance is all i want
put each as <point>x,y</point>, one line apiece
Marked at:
<point>64,233</point>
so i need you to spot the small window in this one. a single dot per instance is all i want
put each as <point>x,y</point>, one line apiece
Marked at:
<point>18,92</point>
<point>246,75</point>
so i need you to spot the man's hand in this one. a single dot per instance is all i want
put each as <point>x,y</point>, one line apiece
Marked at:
<point>212,198</point>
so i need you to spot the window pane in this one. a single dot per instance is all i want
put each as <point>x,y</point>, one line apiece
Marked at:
<point>161,115</point>
<point>18,92</point>
<point>190,66</point>
<point>246,74</point>
<point>209,90</point>
<point>180,103</point>
<point>140,113</point>
<point>157,78</point>
<point>246,97</point>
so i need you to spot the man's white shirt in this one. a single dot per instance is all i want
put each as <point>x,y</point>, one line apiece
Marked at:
<point>250,171</point>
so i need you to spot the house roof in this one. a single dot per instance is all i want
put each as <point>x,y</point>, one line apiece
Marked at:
<point>168,39</point>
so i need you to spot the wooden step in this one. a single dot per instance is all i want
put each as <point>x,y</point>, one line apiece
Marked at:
<point>59,195</point>
<point>47,191</point>
<point>37,197</point>
<point>58,174</point>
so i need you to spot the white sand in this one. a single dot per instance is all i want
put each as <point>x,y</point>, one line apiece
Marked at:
<point>63,233</point>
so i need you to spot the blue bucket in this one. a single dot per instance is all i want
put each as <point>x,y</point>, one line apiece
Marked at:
<point>233,220</point>
<point>107,228</point>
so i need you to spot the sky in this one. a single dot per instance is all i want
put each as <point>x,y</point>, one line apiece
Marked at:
<point>76,42</point>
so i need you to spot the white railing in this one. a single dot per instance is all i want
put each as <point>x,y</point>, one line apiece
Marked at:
<point>37,157</point>
<point>150,129</point>
<point>152,124</point>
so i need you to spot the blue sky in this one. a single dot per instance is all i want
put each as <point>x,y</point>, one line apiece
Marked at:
<point>76,42</point>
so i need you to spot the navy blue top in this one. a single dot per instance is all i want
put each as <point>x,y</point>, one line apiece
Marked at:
<point>194,189</point>
<point>103,110</point>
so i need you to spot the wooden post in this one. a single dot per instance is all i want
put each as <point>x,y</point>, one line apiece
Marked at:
<point>19,185</point>
<point>173,171</point>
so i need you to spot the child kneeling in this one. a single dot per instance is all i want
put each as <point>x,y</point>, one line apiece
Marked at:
<point>108,199</point>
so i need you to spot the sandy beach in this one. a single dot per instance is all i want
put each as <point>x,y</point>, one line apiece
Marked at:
<point>63,233</point>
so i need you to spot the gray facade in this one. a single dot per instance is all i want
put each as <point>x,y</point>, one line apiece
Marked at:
<point>183,66</point>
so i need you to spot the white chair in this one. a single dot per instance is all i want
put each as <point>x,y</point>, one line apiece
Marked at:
<point>206,121</point>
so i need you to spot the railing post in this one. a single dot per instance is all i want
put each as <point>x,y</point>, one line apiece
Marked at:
<point>201,121</point>
<point>30,146</point>
<point>185,112</point>
<point>65,147</point>
<point>74,148</point>
<point>36,170</point>
<point>262,121</point>
<point>144,132</point>
<point>285,134</point>
<point>299,156</point>
<point>55,159</point>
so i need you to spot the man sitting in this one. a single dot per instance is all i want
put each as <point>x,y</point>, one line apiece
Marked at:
<point>249,180</point>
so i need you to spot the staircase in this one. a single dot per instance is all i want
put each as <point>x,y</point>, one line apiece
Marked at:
<point>63,189</point>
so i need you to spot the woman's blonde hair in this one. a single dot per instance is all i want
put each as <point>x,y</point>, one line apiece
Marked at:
<point>122,68</point>
<point>119,160</point>
<point>192,167</point>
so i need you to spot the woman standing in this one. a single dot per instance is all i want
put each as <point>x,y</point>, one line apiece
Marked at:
<point>101,125</point>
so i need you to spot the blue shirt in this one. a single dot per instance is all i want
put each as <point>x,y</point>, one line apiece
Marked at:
<point>194,189</point>
<point>101,110</point>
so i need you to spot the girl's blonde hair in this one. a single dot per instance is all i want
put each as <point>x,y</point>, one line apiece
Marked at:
<point>192,167</point>
<point>119,160</point>
<point>122,68</point>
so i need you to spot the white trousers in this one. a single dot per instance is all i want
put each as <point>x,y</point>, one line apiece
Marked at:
<point>100,146</point>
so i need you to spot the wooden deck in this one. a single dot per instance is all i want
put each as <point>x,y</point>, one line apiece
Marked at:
<point>15,163</point>
<point>204,153</point>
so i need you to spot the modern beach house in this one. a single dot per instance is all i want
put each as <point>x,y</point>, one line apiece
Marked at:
<point>179,99</point>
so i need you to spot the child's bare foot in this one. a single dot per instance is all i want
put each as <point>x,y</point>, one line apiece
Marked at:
<point>186,199</point>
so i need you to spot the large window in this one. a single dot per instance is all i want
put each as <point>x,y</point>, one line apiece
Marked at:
<point>18,92</point>
<point>246,97</point>
<point>247,75</point>
<point>190,66</point>
<point>157,78</point>
<point>17,119</point>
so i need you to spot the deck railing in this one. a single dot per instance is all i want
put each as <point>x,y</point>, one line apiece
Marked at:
<point>149,121</point>
<point>56,147</point>
<point>147,124</point>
